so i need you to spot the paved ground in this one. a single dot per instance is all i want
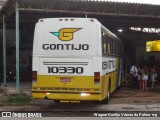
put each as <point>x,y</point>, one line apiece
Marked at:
<point>122,100</point>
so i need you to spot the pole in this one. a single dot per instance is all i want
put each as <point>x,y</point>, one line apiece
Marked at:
<point>17,47</point>
<point>4,51</point>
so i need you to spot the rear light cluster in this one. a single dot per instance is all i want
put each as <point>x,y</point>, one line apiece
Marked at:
<point>46,93</point>
<point>85,94</point>
<point>34,76</point>
<point>96,78</point>
<point>66,19</point>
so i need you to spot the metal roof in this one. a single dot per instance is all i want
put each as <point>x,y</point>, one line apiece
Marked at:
<point>126,13</point>
<point>134,2</point>
<point>112,14</point>
<point>84,6</point>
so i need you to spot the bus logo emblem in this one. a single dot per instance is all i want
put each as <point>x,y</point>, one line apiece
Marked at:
<point>65,34</point>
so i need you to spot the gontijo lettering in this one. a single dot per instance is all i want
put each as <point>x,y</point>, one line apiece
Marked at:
<point>65,47</point>
<point>108,64</point>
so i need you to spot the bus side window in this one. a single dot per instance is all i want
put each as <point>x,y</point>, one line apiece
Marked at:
<point>104,44</point>
<point>107,42</point>
<point>109,45</point>
<point>119,47</point>
<point>114,46</point>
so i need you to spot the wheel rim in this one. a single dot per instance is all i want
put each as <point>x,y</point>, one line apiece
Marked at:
<point>108,95</point>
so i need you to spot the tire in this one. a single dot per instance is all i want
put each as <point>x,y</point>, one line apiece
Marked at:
<point>119,88</point>
<point>56,101</point>
<point>106,100</point>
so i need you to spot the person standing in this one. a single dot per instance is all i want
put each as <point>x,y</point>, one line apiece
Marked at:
<point>140,78</point>
<point>145,73</point>
<point>153,75</point>
<point>134,75</point>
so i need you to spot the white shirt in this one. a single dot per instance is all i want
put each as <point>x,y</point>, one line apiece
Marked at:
<point>134,71</point>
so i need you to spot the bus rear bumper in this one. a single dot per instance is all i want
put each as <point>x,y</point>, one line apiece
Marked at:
<point>66,96</point>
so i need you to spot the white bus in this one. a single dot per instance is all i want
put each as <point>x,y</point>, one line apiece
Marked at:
<point>75,59</point>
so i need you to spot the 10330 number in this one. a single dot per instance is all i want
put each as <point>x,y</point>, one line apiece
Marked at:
<point>68,70</point>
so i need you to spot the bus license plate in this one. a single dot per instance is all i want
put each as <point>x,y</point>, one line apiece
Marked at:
<point>65,79</point>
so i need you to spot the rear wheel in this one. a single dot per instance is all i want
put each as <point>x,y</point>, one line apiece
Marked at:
<point>56,101</point>
<point>106,100</point>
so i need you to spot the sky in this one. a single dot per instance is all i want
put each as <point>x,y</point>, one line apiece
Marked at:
<point>156,2</point>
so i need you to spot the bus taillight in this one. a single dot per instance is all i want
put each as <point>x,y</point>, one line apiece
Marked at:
<point>96,78</point>
<point>34,76</point>
<point>85,94</point>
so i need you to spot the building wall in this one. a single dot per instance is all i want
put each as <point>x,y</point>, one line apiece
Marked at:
<point>141,54</point>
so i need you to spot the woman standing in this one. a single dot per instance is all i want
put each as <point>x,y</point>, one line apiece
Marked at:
<point>144,78</point>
